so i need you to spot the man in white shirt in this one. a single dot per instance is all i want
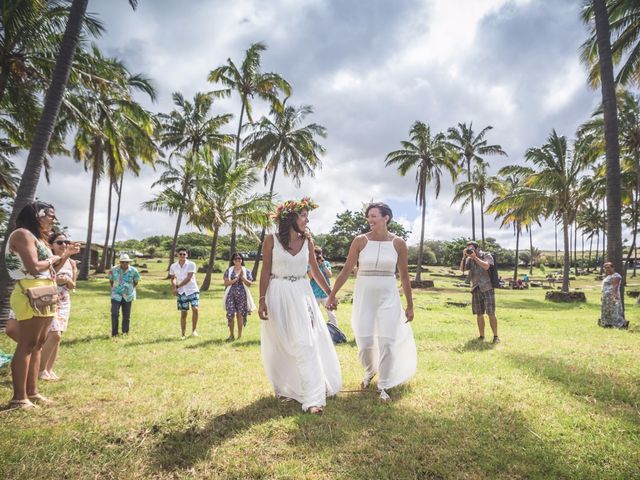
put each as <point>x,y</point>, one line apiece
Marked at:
<point>185,288</point>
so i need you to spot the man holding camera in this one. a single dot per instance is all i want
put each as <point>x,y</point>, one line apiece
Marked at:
<point>483,298</point>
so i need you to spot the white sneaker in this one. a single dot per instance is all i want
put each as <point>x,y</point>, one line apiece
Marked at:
<point>194,334</point>
<point>183,337</point>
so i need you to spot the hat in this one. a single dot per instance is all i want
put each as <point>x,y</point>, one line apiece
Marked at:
<point>125,258</point>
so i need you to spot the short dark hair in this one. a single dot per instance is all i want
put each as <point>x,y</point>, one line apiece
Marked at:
<point>28,217</point>
<point>472,242</point>
<point>384,209</point>
<point>182,249</point>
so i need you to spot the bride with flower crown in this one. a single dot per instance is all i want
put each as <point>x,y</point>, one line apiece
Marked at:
<point>298,354</point>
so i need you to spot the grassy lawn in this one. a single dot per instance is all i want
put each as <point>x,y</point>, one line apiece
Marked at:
<point>559,398</point>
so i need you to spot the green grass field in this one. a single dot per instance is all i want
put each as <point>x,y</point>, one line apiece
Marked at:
<point>559,398</point>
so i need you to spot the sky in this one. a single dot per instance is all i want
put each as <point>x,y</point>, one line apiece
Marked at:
<point>370,69</point>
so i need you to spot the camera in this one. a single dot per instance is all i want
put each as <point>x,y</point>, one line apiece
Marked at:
<point>470,250</point>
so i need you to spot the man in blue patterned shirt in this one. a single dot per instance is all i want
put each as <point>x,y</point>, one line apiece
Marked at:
<point>321,297</point>
<point>123,280</point>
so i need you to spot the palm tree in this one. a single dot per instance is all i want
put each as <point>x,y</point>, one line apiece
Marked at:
<point>113,131</point>
<point>471,148</point>
<point>624,28</point>
<point>596,13</point>
<point>43,133</point>
<point>430,156</point>
<point>189,128</point>
<point>555,183</point>
<point>282,141</point>
<point>222,192</point>
<point>249,81</point>
<point>508,205</point>
<point>477,188</point>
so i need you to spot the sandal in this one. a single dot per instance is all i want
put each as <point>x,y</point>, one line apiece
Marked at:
<point>316,410</point>
<point>39,398</point>
<point>366,381</point>
<point>384,396</point>
<point>21,404</point>
<point>230,338</point>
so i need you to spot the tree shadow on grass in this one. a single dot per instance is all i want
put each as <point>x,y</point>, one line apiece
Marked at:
<point>360,438</point>
<point>151,341</point>
<point>584,383</point>
<point>151,291</point>
<point>531,304</point>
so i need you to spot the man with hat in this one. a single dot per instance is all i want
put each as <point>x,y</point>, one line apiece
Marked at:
<point>123,279</point>
<point>483,298</point>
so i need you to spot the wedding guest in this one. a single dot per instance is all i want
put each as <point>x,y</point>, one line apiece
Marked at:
<point>185,288</point>
<point>66,276</point>
<point>321,297</point>
<point>29,261</point>
<point>237,300</point>
<point>611,313</point>
<point>123,280</point>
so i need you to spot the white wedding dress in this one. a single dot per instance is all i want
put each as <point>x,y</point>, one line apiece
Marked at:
<point>384,338</point>
<point>298,354</point>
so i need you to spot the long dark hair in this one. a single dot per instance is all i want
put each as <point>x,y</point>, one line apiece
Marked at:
<point>28,218</point>
<point>286,223</point>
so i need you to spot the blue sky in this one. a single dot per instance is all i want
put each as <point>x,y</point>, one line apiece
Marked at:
<point>370,69</point>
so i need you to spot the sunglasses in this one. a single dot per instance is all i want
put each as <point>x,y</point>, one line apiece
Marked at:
<point>182,254</point>
<point>62,242</point>
<point>237,258</point>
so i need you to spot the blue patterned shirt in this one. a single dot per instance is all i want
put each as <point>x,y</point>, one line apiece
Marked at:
<point>124,283</point>
<point>317,291</point>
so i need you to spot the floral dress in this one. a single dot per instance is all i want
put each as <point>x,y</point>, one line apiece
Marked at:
<point>611,314</point>
<point>236,296</point>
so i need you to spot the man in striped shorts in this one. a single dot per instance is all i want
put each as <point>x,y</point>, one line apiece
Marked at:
<point>483,298</point>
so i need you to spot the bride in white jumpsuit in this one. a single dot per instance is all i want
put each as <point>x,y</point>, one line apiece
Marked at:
<point>384,337</point>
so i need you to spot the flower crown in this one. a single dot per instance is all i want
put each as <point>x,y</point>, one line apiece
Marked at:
<point>291,206</point>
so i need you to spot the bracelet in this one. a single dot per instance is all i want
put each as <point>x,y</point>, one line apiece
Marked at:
<point>262,298</point>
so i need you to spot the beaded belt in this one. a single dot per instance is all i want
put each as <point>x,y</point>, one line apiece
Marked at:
<point>291,278</point>
<point>375,273</point>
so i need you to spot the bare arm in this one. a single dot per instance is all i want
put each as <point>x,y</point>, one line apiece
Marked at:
<point>72,249</point>
<point>352,259</point>
<point>482,263</point>
<point>22,244</point>
<point>265,276</point>
<point>615,282</point>
<point>315,270</point>
<point>186,280</point>
<point>403,267</point>
<point>247,283</point>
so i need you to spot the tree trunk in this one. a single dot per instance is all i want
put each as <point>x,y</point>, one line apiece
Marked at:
<point>254,270</point>
<point>212,260</point>
<point>4,77</point>
<point>473,208</point>
<point>112,261</point>
<point>482,219</point>
<point>421,246</point>
<point>233,241</point>
<point>85,265</point>
<point>556,238</point>
<point>575,248</point>
<point>185,194</point>
<point>531,250</point>
<point>105,248</point>
<point>515,270</point>
<point>612,150</point>
<point>567,259</point>
<point>635,215</point>
<point>42,137</point>
<point>595,266</point>
<point>590,247</point>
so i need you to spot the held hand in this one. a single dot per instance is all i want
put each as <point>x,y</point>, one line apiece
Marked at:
<point>262,310</point>
<point>409,313</point>
<point>55,259</point>
<point>73,248</point>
